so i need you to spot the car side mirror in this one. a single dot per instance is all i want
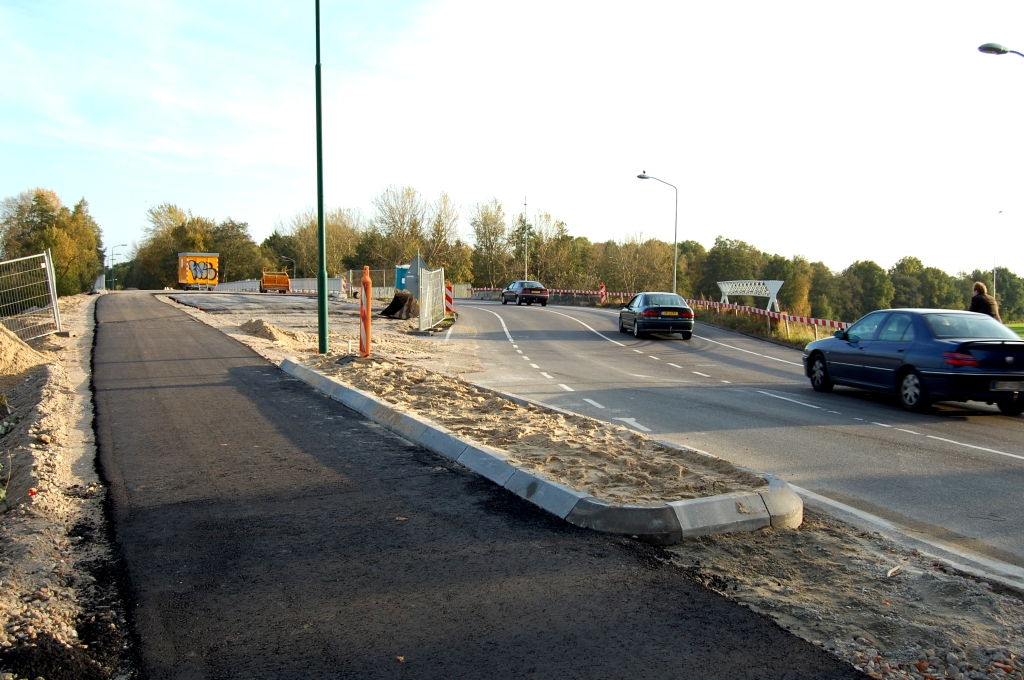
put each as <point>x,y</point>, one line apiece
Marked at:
<point>840,334</point>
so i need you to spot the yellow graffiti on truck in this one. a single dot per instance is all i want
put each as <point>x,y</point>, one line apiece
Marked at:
<point>198,269</point>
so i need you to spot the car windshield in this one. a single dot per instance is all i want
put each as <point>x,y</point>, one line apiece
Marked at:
<point>665,300</point>
<point>968,326</point>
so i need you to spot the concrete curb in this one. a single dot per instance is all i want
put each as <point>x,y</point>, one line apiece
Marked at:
<point>775,505</point>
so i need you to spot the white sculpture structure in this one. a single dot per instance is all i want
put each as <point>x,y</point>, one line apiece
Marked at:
<point>768,289</point>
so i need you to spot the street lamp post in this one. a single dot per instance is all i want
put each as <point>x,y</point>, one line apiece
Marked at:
<point>996,48</point>
<point>285,257</point>
<point>675,231</point>
<point>321,273</point>
<point>110,256</point>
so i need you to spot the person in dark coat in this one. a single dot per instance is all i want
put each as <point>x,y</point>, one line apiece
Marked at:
<point>983,302</point>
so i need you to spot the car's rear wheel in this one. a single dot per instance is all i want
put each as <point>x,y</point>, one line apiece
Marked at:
<point>518,301</point>
<point>686,335</point>
<point>913,396</point>
<point>819,375</point>
<point>636,329</point>
<point>544,304</point>
<point>1013,407</point>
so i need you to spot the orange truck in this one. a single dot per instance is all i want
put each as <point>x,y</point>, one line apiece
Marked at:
<point>198,270</point>
<point>278,281</point>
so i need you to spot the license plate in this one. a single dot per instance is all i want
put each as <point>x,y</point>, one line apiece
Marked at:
<point>670,313</point>
<point>1008,385</point>
<point>534,291</point>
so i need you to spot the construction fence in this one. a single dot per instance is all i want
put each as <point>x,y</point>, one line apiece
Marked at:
<point>28,296</point>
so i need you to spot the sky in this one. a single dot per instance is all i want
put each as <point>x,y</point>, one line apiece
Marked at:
<point>837,131</point>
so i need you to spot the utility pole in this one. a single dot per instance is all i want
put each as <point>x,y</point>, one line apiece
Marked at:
<point>321,274</point>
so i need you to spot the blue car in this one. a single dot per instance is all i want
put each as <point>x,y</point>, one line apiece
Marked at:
<point>924,355</point>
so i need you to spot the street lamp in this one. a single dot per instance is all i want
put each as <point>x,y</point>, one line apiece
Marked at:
<point>996,48</point>
<point>110,257</point>
<point>285,257</point>
<point>675,231</point>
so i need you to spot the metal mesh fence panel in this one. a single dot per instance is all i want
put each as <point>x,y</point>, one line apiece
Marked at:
<point>431,298</point>
<point>28,296</point>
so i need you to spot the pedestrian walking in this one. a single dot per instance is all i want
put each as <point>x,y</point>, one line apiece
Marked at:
<point>983,302</point>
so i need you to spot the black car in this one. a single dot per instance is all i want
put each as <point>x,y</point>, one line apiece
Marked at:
<point>525,291</point>
<point>657,312</point>
<point>924,355</point>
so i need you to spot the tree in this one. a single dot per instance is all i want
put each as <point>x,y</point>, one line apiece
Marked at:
<point>240,257</point>
<point>491,255</point>
<point>728,260</point>
<point>442,246</point>
<point>36,220</point>
<point>396,232</point>
<point>299,239</point>
<point>863,287</point>
<point>906,280</point>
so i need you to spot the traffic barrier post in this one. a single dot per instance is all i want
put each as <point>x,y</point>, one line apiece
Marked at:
<point>364,313</point>
<point>449,299</point>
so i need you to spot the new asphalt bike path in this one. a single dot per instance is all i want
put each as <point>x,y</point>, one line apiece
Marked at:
<point>269,531</point>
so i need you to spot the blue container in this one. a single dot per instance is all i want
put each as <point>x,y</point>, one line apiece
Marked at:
<point>400,273</point>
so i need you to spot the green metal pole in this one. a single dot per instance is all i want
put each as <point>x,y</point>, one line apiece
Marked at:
<point>321,274</point>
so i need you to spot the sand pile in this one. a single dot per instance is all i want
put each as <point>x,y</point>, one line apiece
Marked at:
<point>268,331</point>
<point>604,460</point>
<point>15,358</point>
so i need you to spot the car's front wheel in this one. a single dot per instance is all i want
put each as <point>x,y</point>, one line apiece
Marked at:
<point>913,396</point>
<point>504,300</point>
<point>622,326</point>
<point>819,375</point>
<point>1014,407</point>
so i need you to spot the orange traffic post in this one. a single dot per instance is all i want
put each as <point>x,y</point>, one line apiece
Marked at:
<point>364,312</point>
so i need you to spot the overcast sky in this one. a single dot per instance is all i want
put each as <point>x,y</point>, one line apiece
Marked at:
<point>838,131</point>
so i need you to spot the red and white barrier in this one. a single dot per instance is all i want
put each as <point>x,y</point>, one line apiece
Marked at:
<point>344,288</point>
<point>602,293</point>
<point>449,299</point>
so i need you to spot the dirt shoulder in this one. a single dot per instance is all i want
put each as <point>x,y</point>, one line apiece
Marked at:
<point>888,610</point>
<point>60,612</point>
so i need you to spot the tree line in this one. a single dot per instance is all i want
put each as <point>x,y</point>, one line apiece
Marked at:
<point>502,248</point>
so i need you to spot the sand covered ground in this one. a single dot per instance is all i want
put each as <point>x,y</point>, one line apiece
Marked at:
<point>888,610</point>
<point>60,613</point>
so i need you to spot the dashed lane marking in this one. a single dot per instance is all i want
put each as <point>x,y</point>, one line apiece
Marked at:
<point>703,375</point>
<point>518,351</point>
<point>654,357</point>
<point>675,365</point>
<point>632,422</point>
<point>525,357</point>
<point>972,446</point>
<point>588,327</point>
<point>503,326</point>
<point>756,354</point>
<point>592,402</point>
<point>639,351</point>
<point>880,424</point>
<point>775,396</point>
<point>899,428</point>
<point>546,375</point>
<point>534,366</point>
<point>566,387</point>
<point>728,382</point>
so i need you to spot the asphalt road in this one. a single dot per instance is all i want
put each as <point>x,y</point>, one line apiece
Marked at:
<point>953,476</point>
<point>268,531</point>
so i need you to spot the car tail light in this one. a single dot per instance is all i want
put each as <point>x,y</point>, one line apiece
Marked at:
<point>959,359</point>
<point>650,313</point>
<point>686,315</point>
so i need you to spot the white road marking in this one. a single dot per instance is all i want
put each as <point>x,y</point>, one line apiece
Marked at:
<point>525,357</point>
<point>979,448</point>
<point>590,328</point>
<point>836,412</point>
<point>534,366</point>
<point>880,424</point>
<point>675,365</point>
<point>775,396</point>
<point>727,382</point>
<point>639,351</point>
<point>860,419</point>
<point>654,357</point>
<point>515,346</point>
<point>756,354</point>
<point>546,375</point>
<point>591,401</point>
<point>637,375</point>
<point>518,351</point>
<point>566,387</point>
<point>902,430</point>
<point>703,375</point>
<point>449,333</point>
<point>503,326</point>
<point>632,422</point>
